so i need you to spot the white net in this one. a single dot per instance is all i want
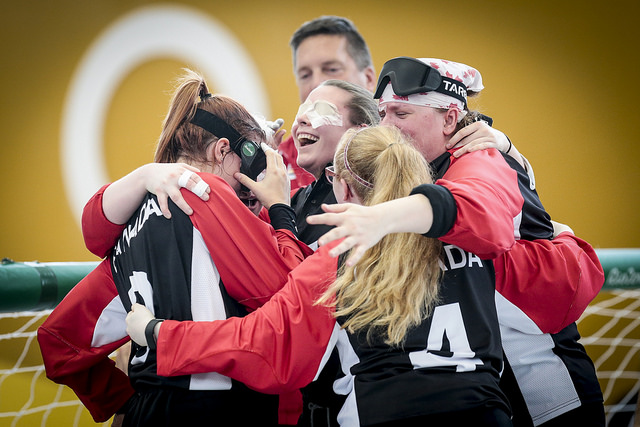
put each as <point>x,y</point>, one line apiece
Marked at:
<point>27,397</point>
<point>610,329</point>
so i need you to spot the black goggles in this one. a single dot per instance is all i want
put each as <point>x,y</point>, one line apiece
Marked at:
<point>254,161</point>
<point>409,75</point>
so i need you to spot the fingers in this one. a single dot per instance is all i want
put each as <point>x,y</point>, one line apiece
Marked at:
<point>325,219</point>
<point>332,209</point>
<point>194,183</point>
<point>137,319</point>
<point>559,227</point>
<point>181,203</point>
<point>184,178</point>
<point>470,148</point>
<point>266,148</point>
<point>339,249</point>
<point>476,145</point>
<point>280,161</point>
<point>328,218</point>
<point>270,154</point>
<point>274,187</point>
<point>458,138</point>
<point>189,180</point>
<point>245,180</point>
<point>330,236</point>
<point>164,205</point>
<point>336,208</point>
<point>276,169</point>
<point>274,132</point>
<point>176,197</point>
<point>277,138</point>
<point>357,251</point>
<point>276,124</point>
<point>202,190</point>
<point>355,256</point>
<point>274,159</point>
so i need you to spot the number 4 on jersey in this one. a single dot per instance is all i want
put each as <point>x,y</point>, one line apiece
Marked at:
<point>447,343</point>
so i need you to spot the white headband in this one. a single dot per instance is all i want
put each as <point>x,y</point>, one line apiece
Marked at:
<point>468,76</point>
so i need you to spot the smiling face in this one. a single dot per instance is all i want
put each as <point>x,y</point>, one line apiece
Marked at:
<point>318,127</point>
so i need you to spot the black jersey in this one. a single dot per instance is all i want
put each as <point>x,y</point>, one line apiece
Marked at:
<point>546,374</point>
<point>450,363</point>
<point>166,266</point>
<point>307,201</point>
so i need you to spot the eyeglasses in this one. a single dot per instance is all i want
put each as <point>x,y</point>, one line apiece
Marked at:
<point>330,172</point>
<point>407,76</point>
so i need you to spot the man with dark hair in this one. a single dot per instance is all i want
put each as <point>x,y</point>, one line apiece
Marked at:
<point>328,47</point>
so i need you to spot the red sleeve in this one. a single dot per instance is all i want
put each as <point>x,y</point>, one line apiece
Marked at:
<point>551,281</point>
<point>277,348</point>
<point>77,339</point>
<point>99,233</point>
<point>252,259</point>
<point>298,176</point>
<point>264,215</point>
<point>487,197</point>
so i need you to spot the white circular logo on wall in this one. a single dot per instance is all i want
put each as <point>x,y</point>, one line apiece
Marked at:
<point>145,34</point>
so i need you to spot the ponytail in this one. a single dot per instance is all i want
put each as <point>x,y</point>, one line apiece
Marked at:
<point>180,139</point>
<point>396,285</point>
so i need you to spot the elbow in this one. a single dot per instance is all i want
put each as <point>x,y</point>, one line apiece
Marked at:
<point>497,246</point>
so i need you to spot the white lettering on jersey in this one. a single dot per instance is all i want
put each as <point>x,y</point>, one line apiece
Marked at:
<point>132,230</point>
<point>457,258</point>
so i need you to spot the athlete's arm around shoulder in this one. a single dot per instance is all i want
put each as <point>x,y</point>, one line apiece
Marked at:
<point>277,348</point>
<point>99,233</point>
<point>487,198</point>
<point>112,206</point>
<point>551,281</point>
<point>252,261</point>
<point>77,339</point>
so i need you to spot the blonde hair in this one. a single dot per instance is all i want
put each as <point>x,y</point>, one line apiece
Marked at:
<point>394,286</point>
<point>182,139</point>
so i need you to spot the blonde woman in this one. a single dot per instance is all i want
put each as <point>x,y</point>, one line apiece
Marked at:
<point>416,345</point>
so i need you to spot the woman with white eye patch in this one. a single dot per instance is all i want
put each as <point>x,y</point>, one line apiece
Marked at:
<point>329,111</point>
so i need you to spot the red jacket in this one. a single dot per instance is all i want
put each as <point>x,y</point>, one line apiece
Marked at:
<point>88,324</point>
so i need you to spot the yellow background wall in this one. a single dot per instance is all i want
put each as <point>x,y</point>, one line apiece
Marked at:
<point>560,80</point>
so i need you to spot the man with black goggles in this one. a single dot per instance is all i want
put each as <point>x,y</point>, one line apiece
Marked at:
<point>409,75</point>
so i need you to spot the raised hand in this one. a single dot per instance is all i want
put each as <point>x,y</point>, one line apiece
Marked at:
<point>275,186</point>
